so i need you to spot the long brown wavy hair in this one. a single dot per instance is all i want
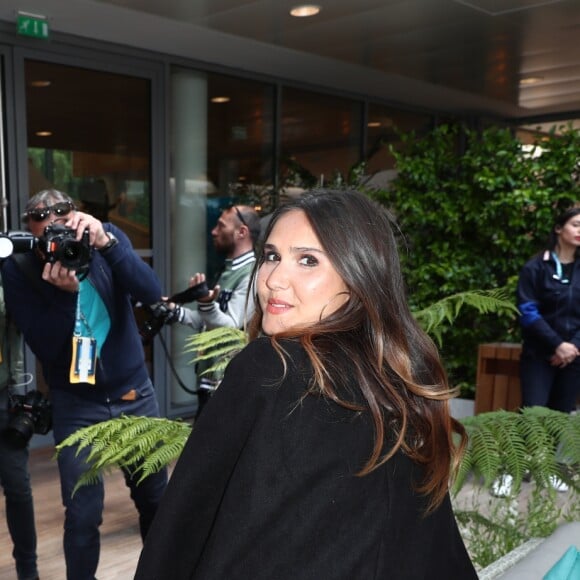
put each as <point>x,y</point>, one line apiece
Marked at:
<point>373,341</point>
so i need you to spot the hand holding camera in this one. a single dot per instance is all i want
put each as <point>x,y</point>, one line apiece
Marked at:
<point>163,313</point>
<point>197,281</point>
<point>85,224</point>
<point>64,256</point>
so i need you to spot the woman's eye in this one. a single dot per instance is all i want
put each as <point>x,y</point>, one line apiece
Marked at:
<point>271,257</point>
<point>308,260</point>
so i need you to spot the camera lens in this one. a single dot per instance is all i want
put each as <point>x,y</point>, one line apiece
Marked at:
<point>73,254</point>
<point>19,431</point>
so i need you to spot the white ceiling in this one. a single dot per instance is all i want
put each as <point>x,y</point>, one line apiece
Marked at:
<point>479,47</point>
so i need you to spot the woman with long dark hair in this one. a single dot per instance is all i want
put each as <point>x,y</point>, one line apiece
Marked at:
<point>327,450</point>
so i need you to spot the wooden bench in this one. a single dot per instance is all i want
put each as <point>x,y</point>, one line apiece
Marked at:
<point>497,385</point>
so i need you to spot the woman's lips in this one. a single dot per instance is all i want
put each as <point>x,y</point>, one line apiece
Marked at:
<point>277,307</point>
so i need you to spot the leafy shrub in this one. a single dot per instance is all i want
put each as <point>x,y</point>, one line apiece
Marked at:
<point>474,207</point>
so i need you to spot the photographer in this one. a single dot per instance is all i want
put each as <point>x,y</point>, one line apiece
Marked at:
<point>234,236</point>
<point>78,320</point>
<point>14,475</point>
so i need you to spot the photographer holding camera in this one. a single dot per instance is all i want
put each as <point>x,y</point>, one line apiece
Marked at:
<point>71,298</point>
<point>14,475</point>
<point>234,236</point>
<point>226,304</point>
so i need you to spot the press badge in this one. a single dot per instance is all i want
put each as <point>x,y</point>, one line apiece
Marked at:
<point>84,360</point>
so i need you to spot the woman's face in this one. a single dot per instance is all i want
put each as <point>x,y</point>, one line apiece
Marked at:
<point>569,233</point>
<point>297,284</point>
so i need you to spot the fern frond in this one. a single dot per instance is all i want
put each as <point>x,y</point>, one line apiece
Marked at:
<point>216,369</point>
<point>444,312</point>
<point>513,451</point>
<point>463,471</point>
<point>161,457</point>
<point>532,441</point>
<point>139,445</point>
<point>225,352</point>
<point>219,345</point>
<point>221,338</point>
<point>484,449</point>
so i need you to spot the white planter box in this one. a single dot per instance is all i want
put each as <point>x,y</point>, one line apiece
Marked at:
<point>462,408</point>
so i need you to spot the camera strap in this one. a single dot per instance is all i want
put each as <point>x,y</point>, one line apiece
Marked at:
<point>84,348</point>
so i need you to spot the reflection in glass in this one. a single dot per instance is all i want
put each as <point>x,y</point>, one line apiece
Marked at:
<point>89,136</point>
<point>383,127</point>
<point>320,138</point>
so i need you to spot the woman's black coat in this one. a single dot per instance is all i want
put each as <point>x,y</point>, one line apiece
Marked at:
<point>266,489</point>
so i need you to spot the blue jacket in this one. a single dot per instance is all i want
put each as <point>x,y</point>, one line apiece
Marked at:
<point>46,316</point>
<point>549,308</point>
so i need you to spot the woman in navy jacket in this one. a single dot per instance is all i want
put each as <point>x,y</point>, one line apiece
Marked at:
<point>548,297</point>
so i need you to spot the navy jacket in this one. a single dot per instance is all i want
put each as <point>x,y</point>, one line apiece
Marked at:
<point>266,489</point>
<point>46,315</point>
<point>549,308</point>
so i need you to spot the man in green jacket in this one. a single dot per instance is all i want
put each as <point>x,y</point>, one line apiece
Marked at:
<point>227,304</point>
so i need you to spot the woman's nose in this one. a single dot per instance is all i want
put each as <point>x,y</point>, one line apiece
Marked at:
<point>277,278</point>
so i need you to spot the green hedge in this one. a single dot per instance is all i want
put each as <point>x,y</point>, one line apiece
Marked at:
<point>474,207</point>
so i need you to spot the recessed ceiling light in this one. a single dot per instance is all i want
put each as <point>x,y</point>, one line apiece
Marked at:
<point>530,80</point>
<point>304,10</point>
<point>43,133</point>
<point>220,99</point>
<point>374,124</point>
<point>40,84</point>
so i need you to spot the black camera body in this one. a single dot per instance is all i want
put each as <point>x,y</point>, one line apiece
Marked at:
<point>59,244</point>
<point>30,413</point>
<point>161,314</point>
<point>16,242</point>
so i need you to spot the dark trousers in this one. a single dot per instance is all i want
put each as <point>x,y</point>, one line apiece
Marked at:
<point>548,386</point>
<point>15,480</point>
<point>84,509</point>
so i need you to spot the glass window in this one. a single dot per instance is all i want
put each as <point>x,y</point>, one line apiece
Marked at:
<point>320,137</point>
<point>383,125</point>
<point>89,136</point>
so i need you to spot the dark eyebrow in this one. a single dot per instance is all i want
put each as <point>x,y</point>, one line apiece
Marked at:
<point>306,249</point>
<point>296,249</point>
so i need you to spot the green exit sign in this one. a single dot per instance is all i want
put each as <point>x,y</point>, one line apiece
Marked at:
<point>32,25</point>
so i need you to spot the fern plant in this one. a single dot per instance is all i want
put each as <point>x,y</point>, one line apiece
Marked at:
<point>535,442</point>
<point>139,445</point>
<point>441,314</point>
<point>219,345</point>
